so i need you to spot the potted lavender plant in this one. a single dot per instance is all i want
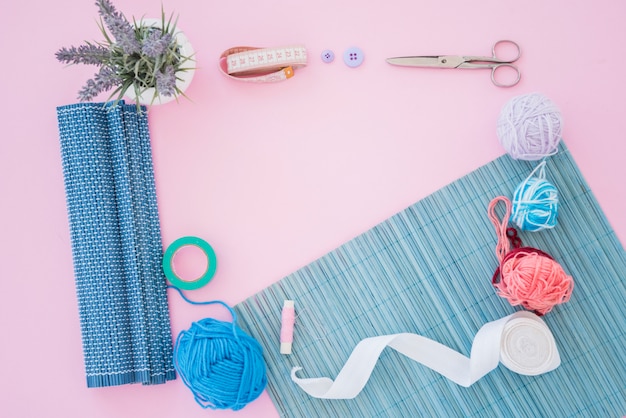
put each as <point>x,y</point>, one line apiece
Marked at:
<point>149,61</point>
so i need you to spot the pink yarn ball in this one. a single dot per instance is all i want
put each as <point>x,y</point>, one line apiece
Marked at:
<point>533,279</point>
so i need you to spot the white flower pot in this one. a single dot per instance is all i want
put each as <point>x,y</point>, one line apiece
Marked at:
<point>183,78</point>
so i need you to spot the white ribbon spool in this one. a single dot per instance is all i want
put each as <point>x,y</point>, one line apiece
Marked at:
<point>521,341</point>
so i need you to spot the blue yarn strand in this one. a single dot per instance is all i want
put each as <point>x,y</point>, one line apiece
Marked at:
<point>221,364</point>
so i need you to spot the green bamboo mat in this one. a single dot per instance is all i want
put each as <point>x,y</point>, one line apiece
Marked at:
<point>428,270</point>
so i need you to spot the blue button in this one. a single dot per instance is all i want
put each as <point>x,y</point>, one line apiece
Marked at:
<point>353,57</point>
<point>328,55</point>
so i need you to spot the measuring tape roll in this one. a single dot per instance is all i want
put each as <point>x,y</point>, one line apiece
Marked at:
<point>262,65</point>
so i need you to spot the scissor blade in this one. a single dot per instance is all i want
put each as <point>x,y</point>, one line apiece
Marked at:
<point>442,61</point>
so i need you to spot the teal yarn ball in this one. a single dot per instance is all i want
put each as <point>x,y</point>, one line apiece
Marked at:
<point>535,205</point>
<point>221,364</point>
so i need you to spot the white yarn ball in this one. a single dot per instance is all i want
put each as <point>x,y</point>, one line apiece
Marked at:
<point>529,127</point>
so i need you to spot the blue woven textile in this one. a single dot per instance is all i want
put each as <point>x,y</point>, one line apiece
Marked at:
<point>427,270</point>
<point>116,244</point>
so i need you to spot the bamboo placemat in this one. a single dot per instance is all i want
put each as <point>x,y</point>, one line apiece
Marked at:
<point>116,244</point>
<point>428,270</point>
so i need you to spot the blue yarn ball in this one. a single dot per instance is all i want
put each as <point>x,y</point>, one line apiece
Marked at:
<point>535,205</point>
<point>221,364</point>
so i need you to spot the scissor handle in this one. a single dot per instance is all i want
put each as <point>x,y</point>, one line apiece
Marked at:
<point>513,82</point>
<point>475,61</point>
<point>502,42</point>
<point>505,63</point>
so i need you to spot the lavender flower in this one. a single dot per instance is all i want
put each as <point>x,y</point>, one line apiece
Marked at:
<point>104,80</point>
<point>85,54</point>
<point>88,92</point>
<point>156,43</point>
<point>119,27</point>
<point>166,81</point>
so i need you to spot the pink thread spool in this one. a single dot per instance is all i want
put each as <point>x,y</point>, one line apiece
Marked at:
<point>288,319</point>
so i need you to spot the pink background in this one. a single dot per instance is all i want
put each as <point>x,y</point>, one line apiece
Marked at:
<point>276,175</point>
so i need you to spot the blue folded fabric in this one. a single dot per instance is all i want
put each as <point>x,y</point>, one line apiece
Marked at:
<point>116,244</point>
<point>427,270</point>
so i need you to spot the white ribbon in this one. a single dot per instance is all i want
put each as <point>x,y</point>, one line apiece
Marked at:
<point>521,341</point>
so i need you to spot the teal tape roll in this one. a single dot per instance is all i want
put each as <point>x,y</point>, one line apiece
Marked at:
<point>168,263</point>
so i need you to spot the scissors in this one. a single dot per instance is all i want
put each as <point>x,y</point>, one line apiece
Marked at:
<point>467,61</point>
